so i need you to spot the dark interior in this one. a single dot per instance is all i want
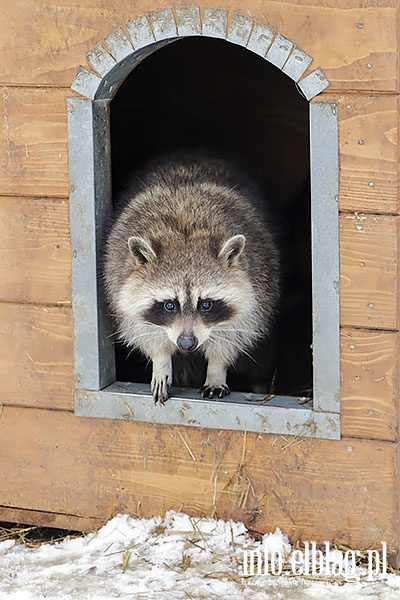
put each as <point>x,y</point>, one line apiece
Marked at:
<point>208,93</point>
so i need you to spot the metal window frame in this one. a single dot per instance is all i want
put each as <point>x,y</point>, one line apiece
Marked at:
<point>96,391</point>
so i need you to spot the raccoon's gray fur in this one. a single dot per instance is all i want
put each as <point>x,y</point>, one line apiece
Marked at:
<point>192,267</point>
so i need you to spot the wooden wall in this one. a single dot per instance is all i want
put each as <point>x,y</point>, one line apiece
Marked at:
<point>61,470</point>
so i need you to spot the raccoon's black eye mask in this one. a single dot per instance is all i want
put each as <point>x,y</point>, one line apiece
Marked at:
<point>211,311</point>
<point>214,311</point>
<point>162,313</point>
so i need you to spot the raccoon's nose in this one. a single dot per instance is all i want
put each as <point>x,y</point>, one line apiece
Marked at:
<point>187,342</point>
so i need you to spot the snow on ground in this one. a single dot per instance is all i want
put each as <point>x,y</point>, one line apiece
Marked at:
<point>178,557</point>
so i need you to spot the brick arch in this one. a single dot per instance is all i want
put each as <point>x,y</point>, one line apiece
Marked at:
<point>114,57</point>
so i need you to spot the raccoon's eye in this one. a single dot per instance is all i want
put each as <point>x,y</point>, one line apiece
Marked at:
<point>205,305</point>
<point>170,306</point>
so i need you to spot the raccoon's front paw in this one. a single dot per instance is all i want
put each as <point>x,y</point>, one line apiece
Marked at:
<point>159,390</point>
<point>209,391</point>
<point>161,379</point>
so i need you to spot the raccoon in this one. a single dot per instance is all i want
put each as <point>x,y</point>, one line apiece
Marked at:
<point>192,268</point>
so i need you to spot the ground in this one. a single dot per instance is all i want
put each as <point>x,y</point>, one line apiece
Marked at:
<point>180,557</point>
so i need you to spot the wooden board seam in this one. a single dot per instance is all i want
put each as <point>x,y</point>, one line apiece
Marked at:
<point>48,512</point>
<point>61,304</point>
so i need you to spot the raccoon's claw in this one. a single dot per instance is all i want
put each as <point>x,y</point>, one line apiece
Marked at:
<point>208,391</point>
<point>160,391</point>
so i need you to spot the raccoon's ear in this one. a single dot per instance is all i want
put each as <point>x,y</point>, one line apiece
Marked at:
<point>232,249</point>
<point>141,250</point>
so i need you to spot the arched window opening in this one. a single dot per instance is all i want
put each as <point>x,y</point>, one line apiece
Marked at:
<point>208,93</point>
<point>224,82</point>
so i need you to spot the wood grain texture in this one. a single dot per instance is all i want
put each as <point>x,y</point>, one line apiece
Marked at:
<point>352,43</point>
<point>368,145</point>
<point>43,42</point>
<point>36,360</point>
<point>369,383</point>
<point>369,271</point>
<point>35,254</point>
<point>36,369</point>
<point>33,147</point>
<point>313,490</point>
<point>33,142</point>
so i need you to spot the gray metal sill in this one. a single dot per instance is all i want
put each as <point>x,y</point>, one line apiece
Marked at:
<point>247,412</point>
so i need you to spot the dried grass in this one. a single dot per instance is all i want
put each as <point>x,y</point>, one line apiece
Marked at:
<point>34,536</point>
<point>186,444</point>
<point>143,452</point>
<point>125,560</point>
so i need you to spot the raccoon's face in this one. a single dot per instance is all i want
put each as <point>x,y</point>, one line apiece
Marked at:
<point>188,319</point>
<point>188,296</point>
